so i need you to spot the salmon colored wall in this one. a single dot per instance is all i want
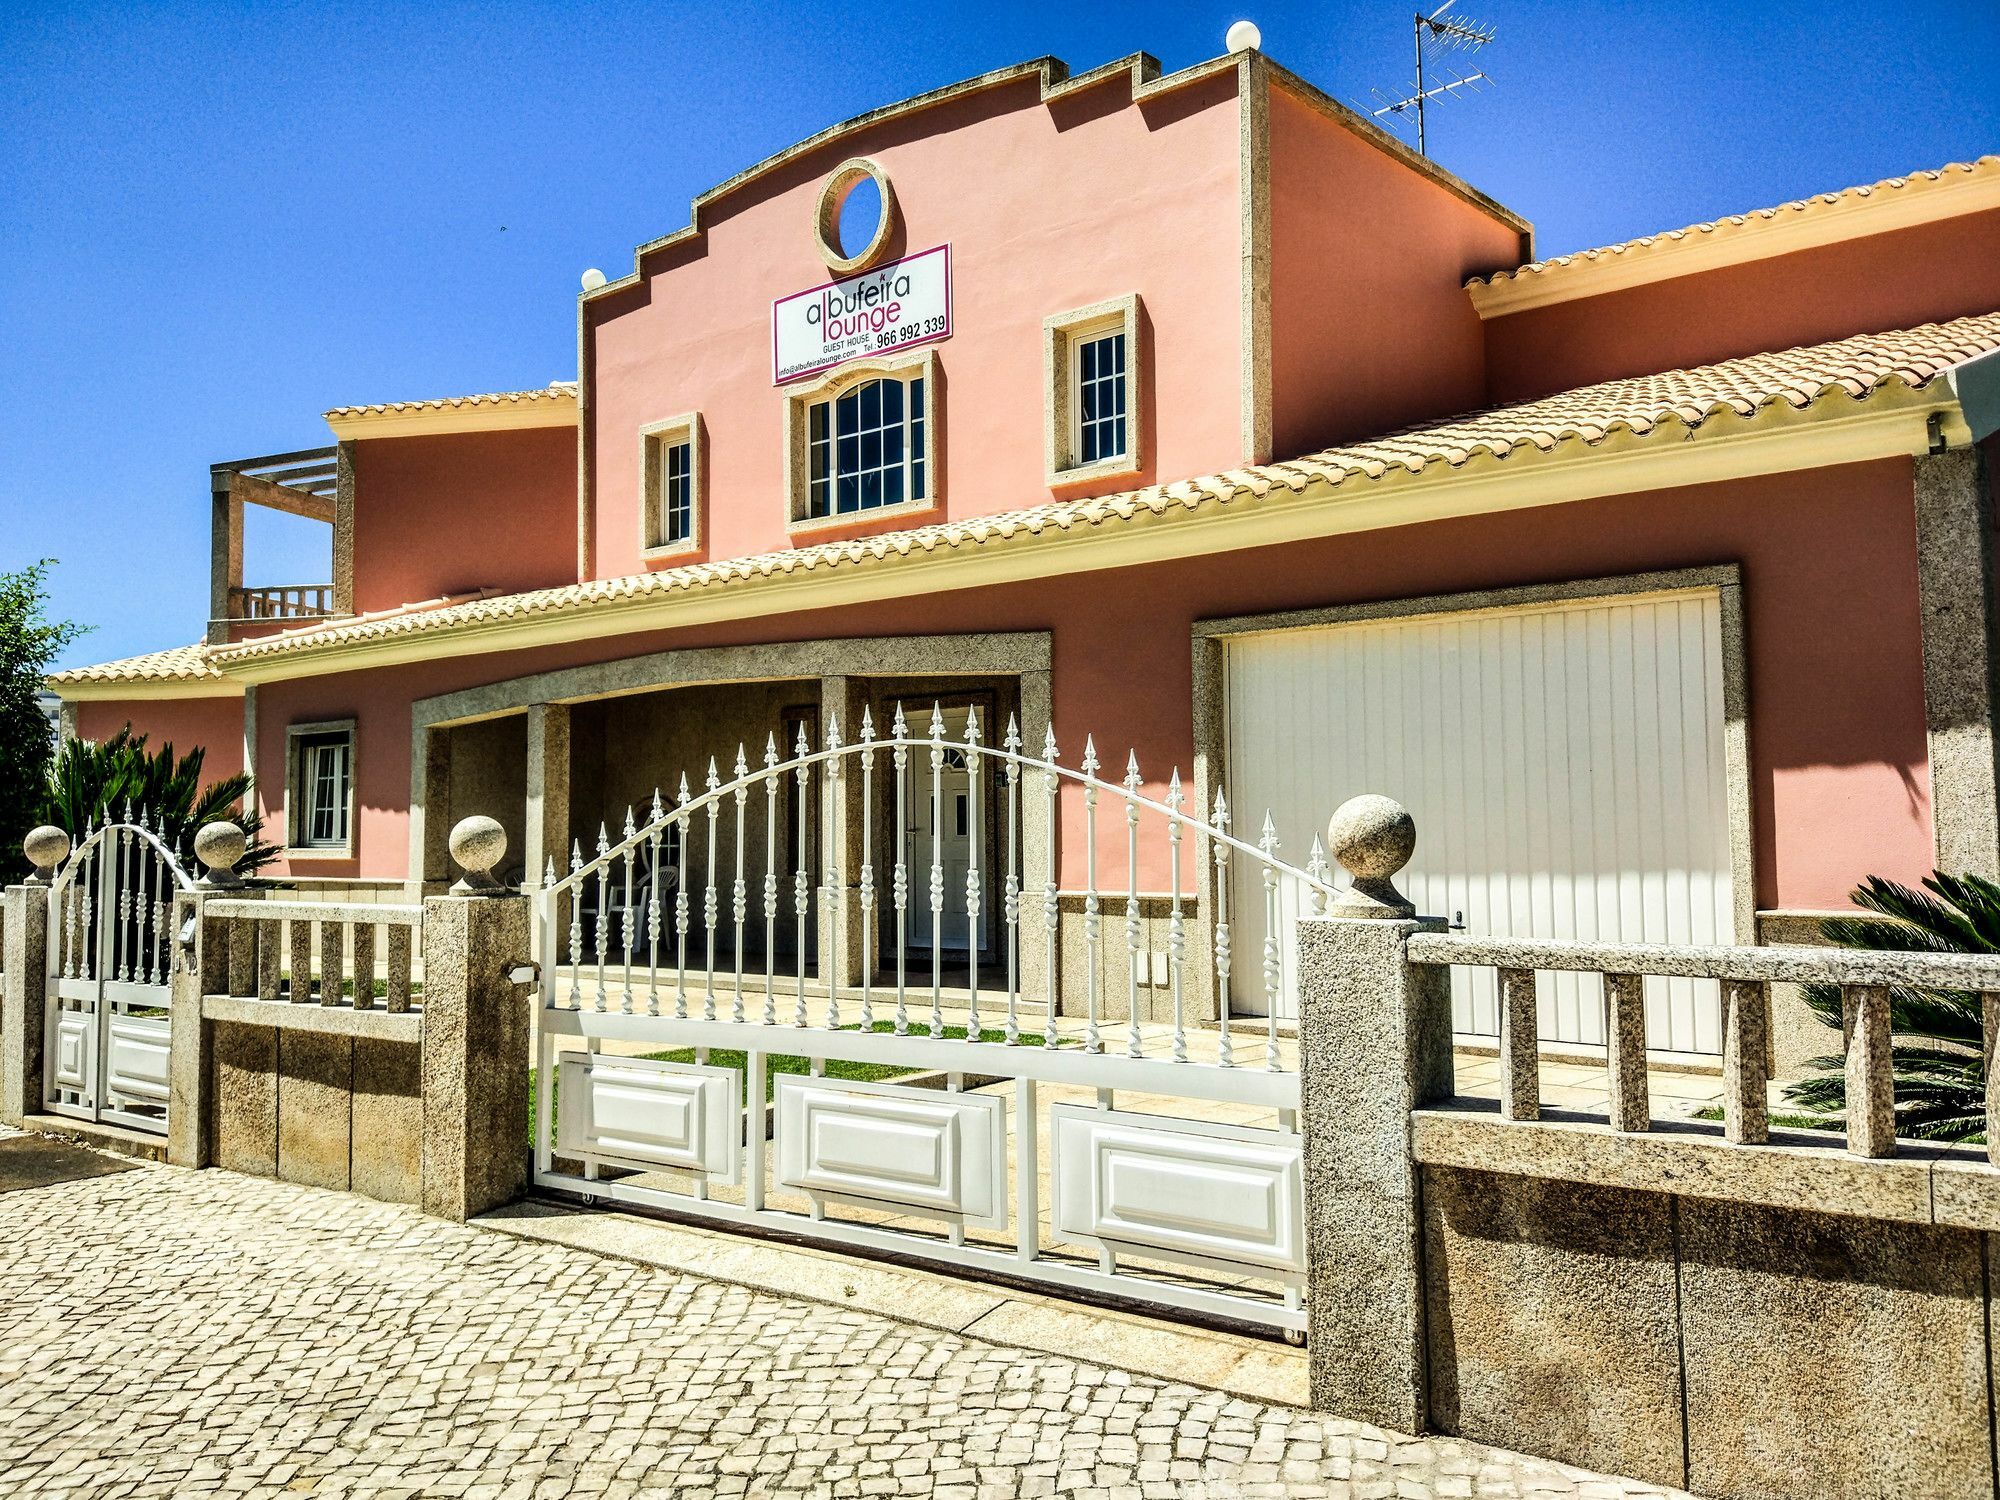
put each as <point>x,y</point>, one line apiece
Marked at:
<point>1932,272</point>
<point>464,511</point>
<point>1840,774</point>
<point>1046,208</point>
<point>215,724</point>
<point>1370,327</point>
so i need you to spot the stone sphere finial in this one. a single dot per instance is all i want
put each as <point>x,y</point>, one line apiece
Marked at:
<point>220,847</point>
<point>477,844</point>
<point>1373,837</point>
<point>46,847</point>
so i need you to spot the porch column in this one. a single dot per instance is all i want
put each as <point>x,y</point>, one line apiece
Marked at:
<point>1954,511</point>
<point>225,556</point>
<point>548,791</point>
<point>842,699</point>
<point>430,809</point>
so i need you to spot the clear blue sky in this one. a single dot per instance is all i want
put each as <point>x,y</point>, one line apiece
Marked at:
<point>218,221</point>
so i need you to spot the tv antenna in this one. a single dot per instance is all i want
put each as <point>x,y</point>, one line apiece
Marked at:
<point>1436,36</point>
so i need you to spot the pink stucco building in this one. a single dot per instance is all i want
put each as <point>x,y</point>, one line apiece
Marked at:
<point>1193,414</point>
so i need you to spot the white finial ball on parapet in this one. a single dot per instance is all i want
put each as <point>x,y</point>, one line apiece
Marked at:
<point>1373,837</point>
<point>1244,37</point>
<point>592,279</point>
<point>477,845</point>
<point>46,847</point>
<point>220,847</point>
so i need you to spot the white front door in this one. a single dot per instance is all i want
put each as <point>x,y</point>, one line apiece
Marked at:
<point>939,830</point>
<point>1564,764</point>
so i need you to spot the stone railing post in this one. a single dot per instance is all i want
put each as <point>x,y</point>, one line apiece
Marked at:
<point>24,968</point>
<point>1374,1043</point>
<point>212,956</point>
<point>475,1036</point>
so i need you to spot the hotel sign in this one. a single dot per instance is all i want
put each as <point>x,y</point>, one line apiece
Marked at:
<point>892,307</point>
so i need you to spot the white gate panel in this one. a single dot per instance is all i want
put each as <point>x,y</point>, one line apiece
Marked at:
<point>942,1154</point>
<point>1564,764</point>
<point>136,1059</point>
<point>642,1113</point>
<point>1188,1190</point>
<point>73,1055</point>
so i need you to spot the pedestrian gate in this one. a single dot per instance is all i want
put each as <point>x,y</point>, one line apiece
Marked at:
<point>110,958</point>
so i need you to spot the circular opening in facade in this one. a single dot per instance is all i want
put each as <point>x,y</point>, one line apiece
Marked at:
<point>856,213</point>
<point>858,219</point>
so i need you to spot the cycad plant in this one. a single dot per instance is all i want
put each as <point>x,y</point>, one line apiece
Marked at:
<point>1938,1061</point>
<point>90,785</point>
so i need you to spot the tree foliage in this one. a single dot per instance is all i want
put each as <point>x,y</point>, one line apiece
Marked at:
<point>123,780</point>
<point>30,642</point>
<point>1938,1060</point>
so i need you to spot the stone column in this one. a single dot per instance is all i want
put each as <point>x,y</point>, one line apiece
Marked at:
<point>1955,595</point>
<point>548,791</point>
<point>430,807</point>
<point>1374,1044</point>
<point>220,959</point>
<point>841,700</point>
<point>24,911</point>
<point>475,1049</point>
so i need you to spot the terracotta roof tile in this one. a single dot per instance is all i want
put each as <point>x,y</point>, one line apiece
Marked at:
<point>555,391</point>
<point>1732,225</point>
<point>1663,406</point>
<point>179,664</point>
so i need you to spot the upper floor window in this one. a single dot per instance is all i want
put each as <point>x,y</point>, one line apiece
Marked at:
<point>319,789</point>
<point>1091,421</point>
<point>865,447</point>
<point>1100,396</point>
<point>670,479</point>
<point>865,442</point>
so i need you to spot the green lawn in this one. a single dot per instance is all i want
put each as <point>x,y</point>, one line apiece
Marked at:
<point>776,1063</point>
<point>1783,1122</point>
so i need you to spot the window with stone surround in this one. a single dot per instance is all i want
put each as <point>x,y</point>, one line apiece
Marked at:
<point>671,482</point>
<point>1091,424</point>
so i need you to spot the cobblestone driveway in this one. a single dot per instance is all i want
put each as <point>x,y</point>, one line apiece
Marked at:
<point>167,1333</point>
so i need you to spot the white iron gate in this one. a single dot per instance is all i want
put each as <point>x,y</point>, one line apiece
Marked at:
<point>110,965</point>
<point>967,1123</point>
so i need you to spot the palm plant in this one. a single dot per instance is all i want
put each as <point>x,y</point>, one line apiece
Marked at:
<point>90,785</point>
<point>1937,1060</point>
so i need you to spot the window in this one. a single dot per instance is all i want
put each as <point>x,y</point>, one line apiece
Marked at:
<point>1092,422</point>
<point>319,788</point>
<point>1100,397</point>
<point>866,448</point>
<point>865,442</point>
<point>670,471</point>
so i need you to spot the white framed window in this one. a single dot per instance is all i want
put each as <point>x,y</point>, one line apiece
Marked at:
<point>319,789</point>
<point>1097,375</point>
<point>670,470</point>
<point>865,448</point>
<point>865,443</point>
<point>1092,416</point>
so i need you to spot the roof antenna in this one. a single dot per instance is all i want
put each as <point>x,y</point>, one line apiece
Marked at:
<point>1435,35</point>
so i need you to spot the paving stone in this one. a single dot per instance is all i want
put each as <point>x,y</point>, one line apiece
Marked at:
<point>165,1332</point>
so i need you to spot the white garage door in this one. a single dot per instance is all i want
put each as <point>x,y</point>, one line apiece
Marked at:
<point>1564,765</point>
